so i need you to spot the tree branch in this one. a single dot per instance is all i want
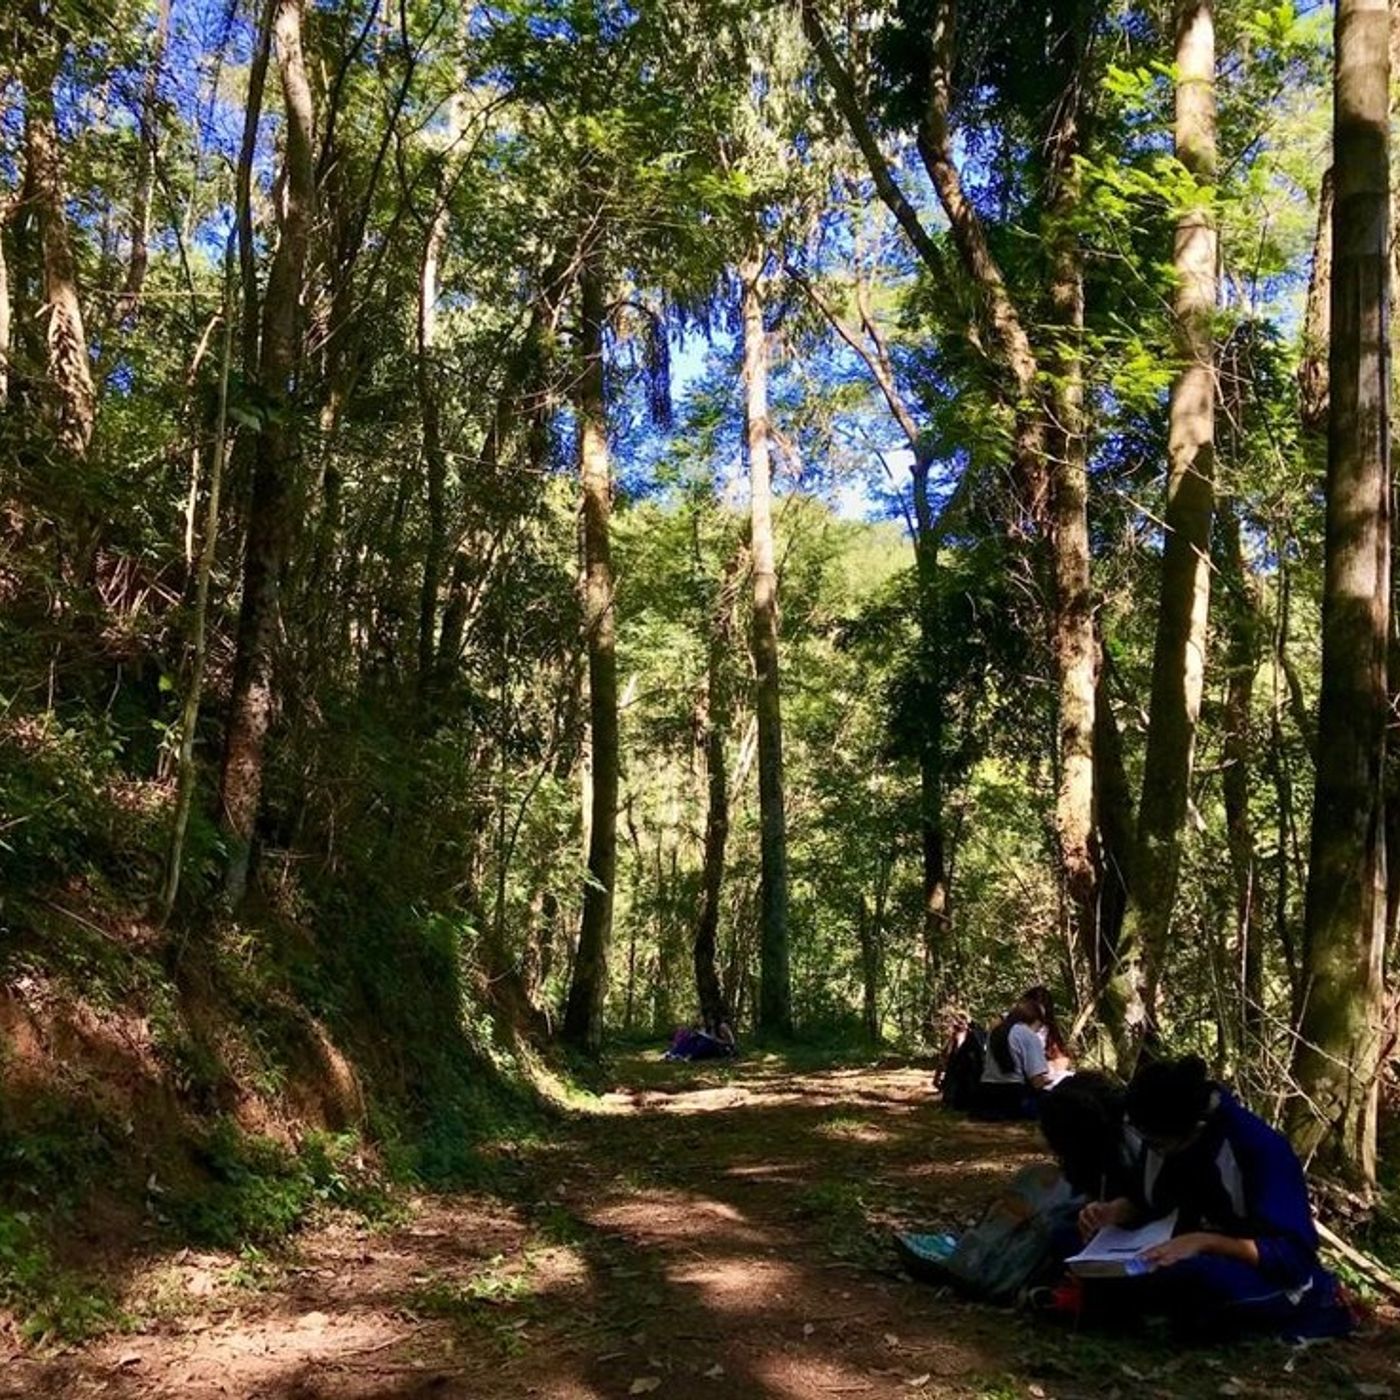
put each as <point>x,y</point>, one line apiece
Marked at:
<point>876,361</point>
<point>848,101</point>
<point>936,148</point>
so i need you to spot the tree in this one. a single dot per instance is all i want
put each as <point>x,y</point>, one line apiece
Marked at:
<point>583,1020</point>
<point>775,978</point>
<point>73,399</point>
<point>1336,1061</point>
<point>869,342</point>
<point>1178,663</point>
<point>139,257</point>
<point>271,518</point>
<point>713,735</point>
<point>1051,484</point>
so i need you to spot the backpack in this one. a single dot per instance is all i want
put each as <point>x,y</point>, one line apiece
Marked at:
<point>1011,1247</point>
<point>963,1072</point>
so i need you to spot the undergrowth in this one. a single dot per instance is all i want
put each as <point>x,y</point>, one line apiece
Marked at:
<point>52,1303</point>
<point>232,1012</point>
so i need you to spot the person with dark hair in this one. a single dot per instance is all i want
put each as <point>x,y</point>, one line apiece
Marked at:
<point>1244,1252</point>
<point>1018,1061</point>
<point>1082,1121</point>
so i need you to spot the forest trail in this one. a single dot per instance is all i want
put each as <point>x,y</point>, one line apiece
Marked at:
<point>706,1233</point>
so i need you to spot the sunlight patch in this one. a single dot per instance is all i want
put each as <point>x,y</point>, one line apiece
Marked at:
<point>739,1284</point>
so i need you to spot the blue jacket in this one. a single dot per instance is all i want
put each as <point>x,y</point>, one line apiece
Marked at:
<point>1240,1178</point>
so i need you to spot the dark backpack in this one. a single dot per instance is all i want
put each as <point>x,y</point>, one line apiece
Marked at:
<point>1010,1248</point>
<point>963,1072</point>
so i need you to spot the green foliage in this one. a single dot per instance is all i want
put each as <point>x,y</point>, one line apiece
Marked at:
<point>54,1304</point>
<point>69,803</point>
<point>256,1190</point>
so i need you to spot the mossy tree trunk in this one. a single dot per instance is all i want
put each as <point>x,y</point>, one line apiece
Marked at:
<point>1178,658</point>
<point>272,513</point>
<point>1344,929</point>
<point>588,989</point>
<point>775,978</point>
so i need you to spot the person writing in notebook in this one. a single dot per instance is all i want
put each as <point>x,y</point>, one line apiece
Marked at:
<point>1244,1253</point>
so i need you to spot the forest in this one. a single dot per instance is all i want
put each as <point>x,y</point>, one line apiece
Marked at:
<point>529,524</point>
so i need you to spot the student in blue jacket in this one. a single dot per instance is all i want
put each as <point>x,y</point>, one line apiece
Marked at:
<point>1244,1252</point>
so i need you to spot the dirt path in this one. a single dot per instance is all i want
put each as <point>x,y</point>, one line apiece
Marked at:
<point>715,1234</point>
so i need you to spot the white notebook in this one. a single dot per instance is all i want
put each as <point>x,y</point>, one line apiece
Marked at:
<point>1117,1253</point>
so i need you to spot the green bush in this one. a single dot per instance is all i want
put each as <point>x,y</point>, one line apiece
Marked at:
<point>54,1304</point>
<point>69,806</point>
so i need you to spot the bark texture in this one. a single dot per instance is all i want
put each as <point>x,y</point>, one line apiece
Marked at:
<point>583,1019</point>
<point>775,978</point>
<point>1317,318</point>
<point>1075,645</point>
<point>71,398</point>
<point>1178,659</point>
<point>1336,1061</point>
<point>272,511</point>
<point>714,730</point>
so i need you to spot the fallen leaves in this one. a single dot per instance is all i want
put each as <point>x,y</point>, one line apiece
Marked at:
<point>644,1385</point>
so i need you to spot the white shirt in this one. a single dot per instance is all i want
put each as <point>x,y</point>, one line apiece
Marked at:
<point>1027,1058</point>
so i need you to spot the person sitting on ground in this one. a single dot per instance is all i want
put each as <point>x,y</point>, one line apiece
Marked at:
<point>1018,1068</point>
<point>959,1077</point>
<point>1083,1121</point>
<point>703,1043</point>
<point>1022,1240</point>
<point>956,1024</point>
<point>1244,1253</point>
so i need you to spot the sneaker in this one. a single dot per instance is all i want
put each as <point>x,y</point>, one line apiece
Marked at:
<point>1061,1302</point>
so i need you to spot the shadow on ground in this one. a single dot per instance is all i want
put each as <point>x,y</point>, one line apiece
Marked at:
<point>706,1233</point>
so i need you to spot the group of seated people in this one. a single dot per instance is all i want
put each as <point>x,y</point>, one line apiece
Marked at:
<point>1001,1073</point>
<point>1242,1254</point>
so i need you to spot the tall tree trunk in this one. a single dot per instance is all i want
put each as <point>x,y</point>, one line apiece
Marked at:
<point>1344,931</point>
<point>73,401</point>
<point>1242,659</point>
<point>130,298</point>
<point>937,920</point>
<point>1064,446</point>
<point>1075,645</point>
<point>243,186</point>
<point>775,986</point>
<point>583,1020</point>
<point>714,732</point>
<point>271,528</point>
<point>434,457</point>
<point>1178,660</point>
<point>1113,807</point>
<point>209,548</point>
<point>1312,368</point>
